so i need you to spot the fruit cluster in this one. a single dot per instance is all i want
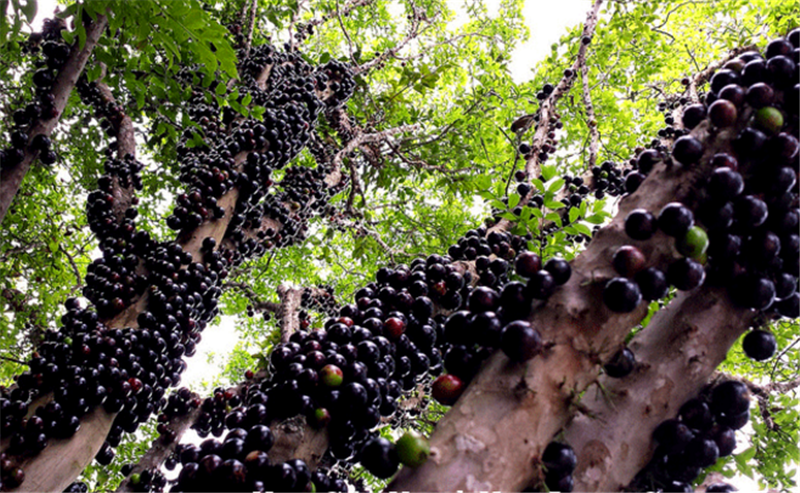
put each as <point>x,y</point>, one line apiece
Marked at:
<point>740,229</point>
<point>56,52</point>
<point>703,432</point>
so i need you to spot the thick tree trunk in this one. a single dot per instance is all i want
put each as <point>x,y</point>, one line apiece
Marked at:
<point>676,356</point>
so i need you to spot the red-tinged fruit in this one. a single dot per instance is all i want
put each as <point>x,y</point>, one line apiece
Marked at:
<point>447,389</point>
<point>331,376</point>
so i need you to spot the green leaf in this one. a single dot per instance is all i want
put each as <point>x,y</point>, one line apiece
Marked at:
<point>556,185</point>
<point>574,213</point>
<point>513,200</point>
<point>29,9</point>
<point>583,229</point>
<point>548,171</point>
<point>554,205</point>
<point>595,219</point>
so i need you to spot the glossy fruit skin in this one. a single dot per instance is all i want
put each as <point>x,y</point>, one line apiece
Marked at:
<point>640,224</point>
<point>519,341</point>
<point>752,291</point>
<point>687,150</point>
<point>621,295</point>
<point>331,376</point>
<point>379,457</point>
<point>652,283</point>
<point>527,264</point>
<point>413,449</point>
<point>675,219</point>
<point>628,260</point>
<point>730,397</point>
<point>559,269</point>
<point>621,364</point>
<point>686,274</point>
<point>447,389</point>
<point>694,243</point>
<point>759,345</point>
<point>559,460</point>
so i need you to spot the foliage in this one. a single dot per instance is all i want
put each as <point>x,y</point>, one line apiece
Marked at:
<point>419,195</point>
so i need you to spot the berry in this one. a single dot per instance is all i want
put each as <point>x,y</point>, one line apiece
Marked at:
<point>675,219</point>
<point>686,274</point>
<point>652,283</point>
<point>693,115</point>
<point>519,341</point>
<point>559,269</point>
<point>759,345</point>
<point>725,184</point>
<point>528,264</point>
<point>730,397</point>
<point>379,457</point>
<point>621,364</point>
<point>687,150</point>
<point>640,224</point>
<point>769,120</point>
<point>621,295</point>
<point>694,243</point>
<point>447,389</point>
<point>331,376</point>
<point>628,260</point>
<point>559,460</point>
<point>722,113</point>
<point>413,449</point>
<point>752,291</point>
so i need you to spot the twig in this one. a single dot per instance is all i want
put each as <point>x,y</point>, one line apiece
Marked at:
<point>591,121</point>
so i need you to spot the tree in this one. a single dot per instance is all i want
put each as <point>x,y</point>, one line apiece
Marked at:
<point>288,152</point>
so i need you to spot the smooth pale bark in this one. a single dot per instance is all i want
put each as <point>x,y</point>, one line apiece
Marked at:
<point>676,356</point>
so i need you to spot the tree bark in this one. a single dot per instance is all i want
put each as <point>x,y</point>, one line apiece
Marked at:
<point>493,436</point>
<point>676,356</point>
<point>11,179</point>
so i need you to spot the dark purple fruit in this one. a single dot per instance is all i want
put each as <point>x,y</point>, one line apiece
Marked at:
<point>559,269</point>
<point>693,115</point>
<point>730,397</point>
<point>725,439</point>
<point>686,274</point>
<point>759,345</point>
<point>519,341</point>
<point>628,260</point>
<point>621,295</point>
<point>695,414</point>
<point>673,435</point>
<point>687,150</point>
<point>379,457</point>
<point>640,224</point>
<point>559,460</point>
<point>725,184</point>
<point>752,291</point>
<point>528,264</point>
<point>702,452</point>
<point>621,364</point>
<point>652,283</point>
<point>675,219</point>
<point>722,113</point>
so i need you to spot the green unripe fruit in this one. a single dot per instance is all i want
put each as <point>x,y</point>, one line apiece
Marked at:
<point>68,341</point>
<point>769,119</point>
<point>136,478</point>
<point>413,449</point>
<point>694,243</point>
<point>321,418</point>
<point>331,376</point>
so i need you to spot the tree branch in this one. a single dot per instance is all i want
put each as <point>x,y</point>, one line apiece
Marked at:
<point>11,178</point>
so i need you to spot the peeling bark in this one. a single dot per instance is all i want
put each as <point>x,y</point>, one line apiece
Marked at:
<point>493,436</point>
<point>676,355</point>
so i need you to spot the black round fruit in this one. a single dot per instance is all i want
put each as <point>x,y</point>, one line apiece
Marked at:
<point>640,224</point>
<point>759,345</point>
<point>675,219</point>
<point>520,341</point>
<point>621,364</point>
<point>730,397</point>
<point>621,295</point>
